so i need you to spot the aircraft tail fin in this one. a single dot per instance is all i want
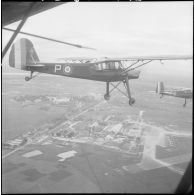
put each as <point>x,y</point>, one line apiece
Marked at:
<point>22,54</point>
<point>160,87</point>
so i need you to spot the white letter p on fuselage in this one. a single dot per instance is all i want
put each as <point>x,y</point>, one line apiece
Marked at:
<point>57,67</point>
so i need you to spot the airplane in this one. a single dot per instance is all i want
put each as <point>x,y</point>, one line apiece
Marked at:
<point>23,56</point>
<point>106,69</point>
<point>15,11</point>
<point>185,93</point>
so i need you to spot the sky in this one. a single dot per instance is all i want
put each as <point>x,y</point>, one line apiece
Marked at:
<point>120,29</point>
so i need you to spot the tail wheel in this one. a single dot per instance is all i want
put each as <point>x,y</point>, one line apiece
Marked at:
<point>131,101</point>
<point>106,97</point>
<point>27,78</point>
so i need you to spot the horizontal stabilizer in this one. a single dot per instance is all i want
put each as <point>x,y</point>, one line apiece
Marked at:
<point>36,65</point>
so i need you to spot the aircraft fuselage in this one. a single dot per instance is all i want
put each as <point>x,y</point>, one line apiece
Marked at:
<point>85,71</point>
<point>187,94</point>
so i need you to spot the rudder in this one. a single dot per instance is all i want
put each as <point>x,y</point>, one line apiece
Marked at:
<point>160,87</point>
<point>22,54</point>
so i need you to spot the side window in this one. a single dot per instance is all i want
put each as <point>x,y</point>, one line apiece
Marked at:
<point>107,66</point>
<point>103,66</point>
<point>112,65</point>
<point>117,66</point>
<point>98,66</point>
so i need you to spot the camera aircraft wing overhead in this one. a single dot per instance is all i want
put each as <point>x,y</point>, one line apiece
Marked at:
<point>23,56</point>
<point>185,93</point>
<point>16,11</point>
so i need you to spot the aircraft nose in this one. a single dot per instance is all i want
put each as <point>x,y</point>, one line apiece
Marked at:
<point>134,74</point>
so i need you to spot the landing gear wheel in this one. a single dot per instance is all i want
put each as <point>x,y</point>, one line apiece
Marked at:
<point>106,97</point>
<point>27,78</point>
<point>131,101</point>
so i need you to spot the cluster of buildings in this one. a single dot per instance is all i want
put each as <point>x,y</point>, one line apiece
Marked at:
<point>13,144</point>
<point>19,141</point>
<point>124,135</point>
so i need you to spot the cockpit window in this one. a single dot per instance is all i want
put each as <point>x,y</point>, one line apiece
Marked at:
<point>107,66</point>
<point>111,65</point>
<point>117,66</point>
<point>103,66</point>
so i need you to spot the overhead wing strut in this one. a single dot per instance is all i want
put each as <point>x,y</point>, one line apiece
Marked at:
<point>50,39</point>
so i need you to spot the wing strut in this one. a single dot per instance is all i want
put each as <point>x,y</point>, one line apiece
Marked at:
<point>25,17</point>
<point>133,68</point>
<point>126,69</point>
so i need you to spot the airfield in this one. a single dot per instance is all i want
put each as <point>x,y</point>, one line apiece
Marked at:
<point>60,136</point>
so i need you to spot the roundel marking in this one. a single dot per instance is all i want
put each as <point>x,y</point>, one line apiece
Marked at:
<point>67,69</point>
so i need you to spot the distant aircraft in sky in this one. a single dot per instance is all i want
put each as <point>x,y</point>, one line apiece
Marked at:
<point>185,93</point>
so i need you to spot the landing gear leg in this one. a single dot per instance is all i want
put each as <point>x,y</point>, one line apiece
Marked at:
<point>107,95</point>
<point>131,99</point>
<point>184,105</point>
<point>29,78</point>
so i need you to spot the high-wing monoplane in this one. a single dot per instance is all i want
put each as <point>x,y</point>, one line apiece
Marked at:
<point>185,93</point>
<point>23,56</point>
<point>14,11</point>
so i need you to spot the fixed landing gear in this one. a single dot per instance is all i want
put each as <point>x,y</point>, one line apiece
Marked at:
<point>107,97</point>
<point>126,84</point>
<point>131,101</point>
<point>184,105</point>
<point>29,78</point>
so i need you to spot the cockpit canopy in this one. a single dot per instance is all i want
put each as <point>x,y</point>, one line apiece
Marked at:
<point>108,66</point>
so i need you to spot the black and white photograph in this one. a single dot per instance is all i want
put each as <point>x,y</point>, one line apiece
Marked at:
<point>97,97</point>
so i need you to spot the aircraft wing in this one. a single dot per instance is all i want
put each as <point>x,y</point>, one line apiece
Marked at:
<point>147,59</point>
<point>142,58</point>
<point>76,58</point>
<point>14,11</point>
